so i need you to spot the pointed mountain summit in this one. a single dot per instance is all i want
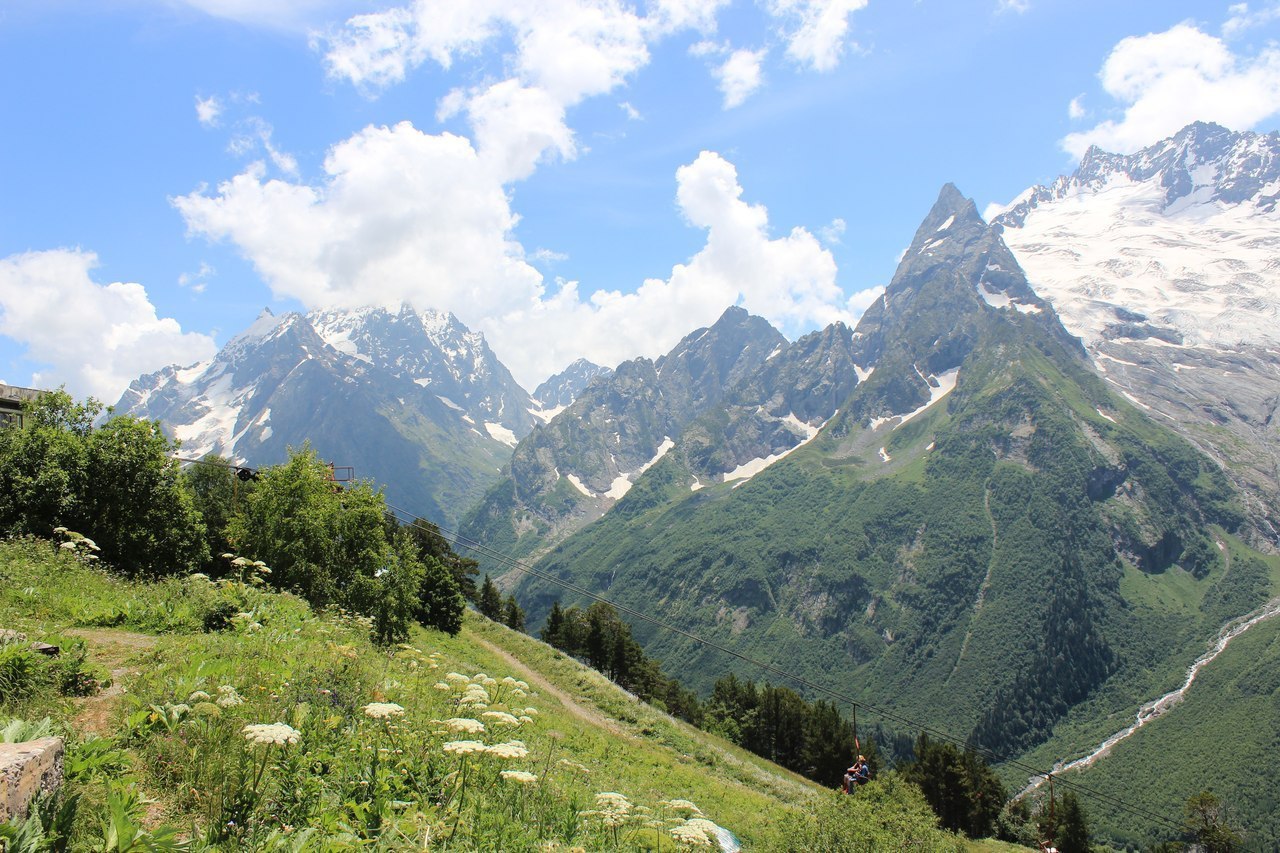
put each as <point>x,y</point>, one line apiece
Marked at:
<point>559,391</point>
<point>969,541</point>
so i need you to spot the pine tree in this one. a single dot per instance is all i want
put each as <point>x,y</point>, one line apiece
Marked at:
<point>553,631</point>
<point>490,603</point>
<point>1073,827</point>
<point>513,614</point>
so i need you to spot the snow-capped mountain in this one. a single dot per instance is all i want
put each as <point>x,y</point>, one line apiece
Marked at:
<point>1185,234</point>
<point>1166,263</point>
<point>409,398</point>
<point>558,392</point>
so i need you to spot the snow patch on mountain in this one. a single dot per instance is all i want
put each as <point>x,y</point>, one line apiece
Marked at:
<point>578,484</point>
<point>940,385</point>
<point>750,468</point>
<point>500,433</point>
<point>1178,242</point>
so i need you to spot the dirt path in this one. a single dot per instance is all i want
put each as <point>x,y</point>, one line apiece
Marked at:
<point>590,716</point>
<point>114,650</point>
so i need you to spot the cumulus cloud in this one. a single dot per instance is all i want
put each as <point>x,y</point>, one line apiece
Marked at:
<point>863,299</point>
<point>95,338</point>
<point>208,110</point>
<point>565,51</point>
<point>1167,80</point>
<point>406,216</point>
<point>739,76</point>
<point>816,30</point>
<point>1075,109</point>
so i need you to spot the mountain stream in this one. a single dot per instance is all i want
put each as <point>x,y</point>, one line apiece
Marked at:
<point>1157,708</point>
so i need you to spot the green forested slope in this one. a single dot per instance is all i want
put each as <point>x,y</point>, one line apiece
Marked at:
<point>1030,552</point>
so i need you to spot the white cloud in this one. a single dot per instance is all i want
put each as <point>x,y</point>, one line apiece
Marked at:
<point>548,256</point>
<point>1167,80</point>
<point>833,232</point>
<point>1075,109</point>
<point>674,15</point>
<point>407,216</point>
<point>1016,6</point>
<point>95,338</point>
<point>257,133</point>
<point>565,51</point>
<point>859,302</point>
<point>208,110</point>
<point>739,76</point>
<point>630,112</point>
<point>818,29</point>
<point>1242,19</point>
<point>197,281</point>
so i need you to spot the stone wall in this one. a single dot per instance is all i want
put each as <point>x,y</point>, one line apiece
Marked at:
<point>28,769</point>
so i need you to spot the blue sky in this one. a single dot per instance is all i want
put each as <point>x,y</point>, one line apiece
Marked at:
<point>571,177</point>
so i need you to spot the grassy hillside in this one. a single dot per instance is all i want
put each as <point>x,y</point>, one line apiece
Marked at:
<point>366,747</point>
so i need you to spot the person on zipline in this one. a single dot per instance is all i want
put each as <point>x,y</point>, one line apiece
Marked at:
<point>858,774</point>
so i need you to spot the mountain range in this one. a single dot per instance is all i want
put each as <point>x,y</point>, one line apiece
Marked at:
<point>409,398</point>
<point>1015,502</point>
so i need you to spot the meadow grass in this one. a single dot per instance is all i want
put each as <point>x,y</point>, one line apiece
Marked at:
<point>243,720</point>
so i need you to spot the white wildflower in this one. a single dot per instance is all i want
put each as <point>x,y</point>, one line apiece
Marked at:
<point>440,685</point>
<point>501,717</point>
<point>691,833</point>
<point>514,749</point>
<point>228,697</point>
<point>524,777</point>
<point>464,724</point>
<point>269,733</point>
<point>199,696</point>
<point>682,806</point>
<point>457,678</point>
<point>614,808</point>
<point>383,710</point>
<point>463,747</point>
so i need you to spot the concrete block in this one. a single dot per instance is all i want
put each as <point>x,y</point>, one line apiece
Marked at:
<point>27,769</point>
